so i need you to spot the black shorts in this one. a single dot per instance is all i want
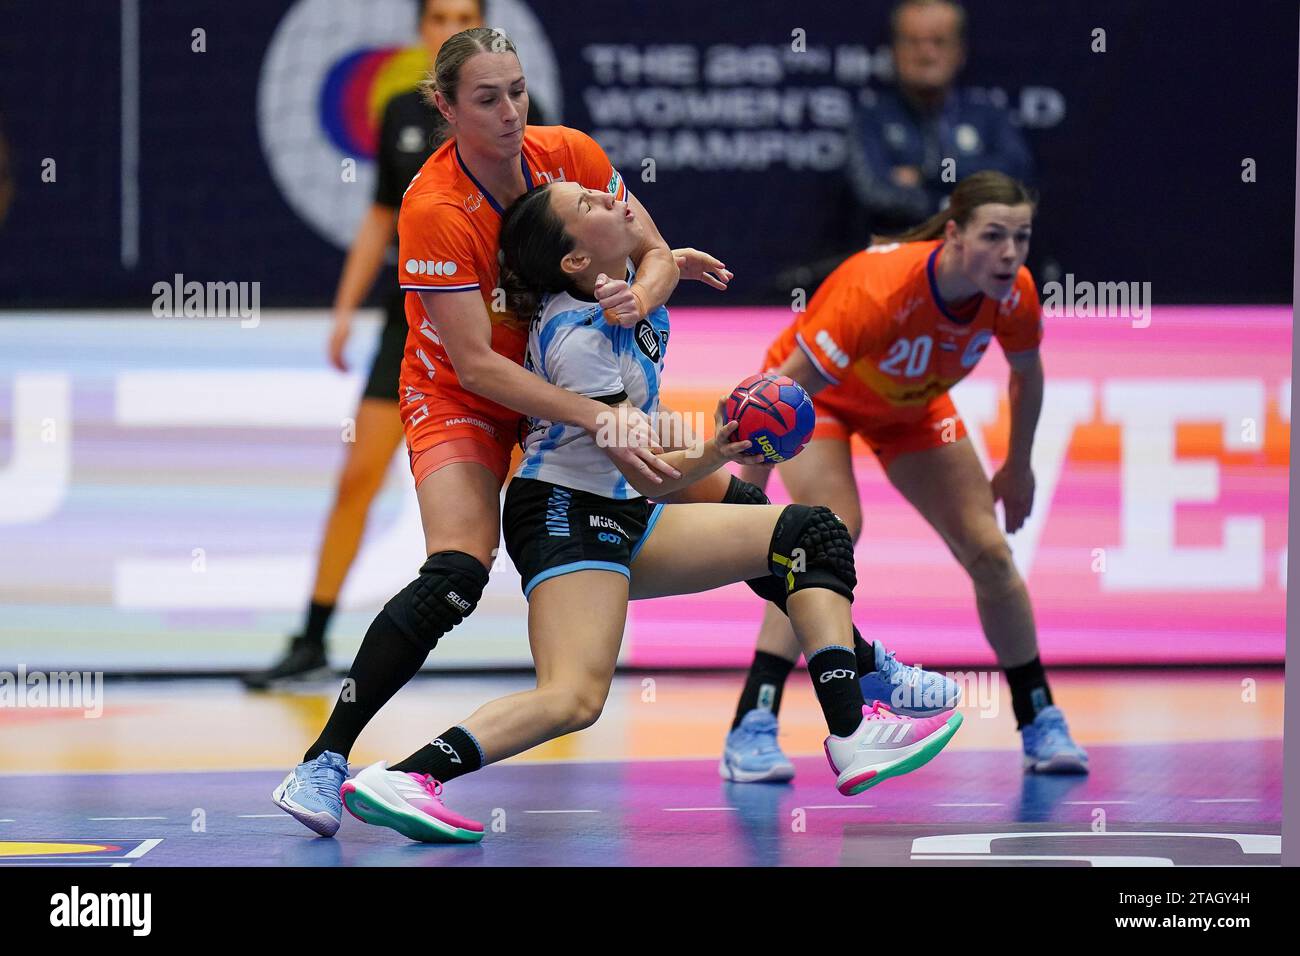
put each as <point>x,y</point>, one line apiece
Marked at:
<point>386,366</point>
<point>551,530</point>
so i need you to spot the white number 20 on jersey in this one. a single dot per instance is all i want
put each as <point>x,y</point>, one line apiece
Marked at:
<point>909,357</point>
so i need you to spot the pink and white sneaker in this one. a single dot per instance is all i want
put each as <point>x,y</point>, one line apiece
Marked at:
<point>408,803</point>
<point>886,745</point>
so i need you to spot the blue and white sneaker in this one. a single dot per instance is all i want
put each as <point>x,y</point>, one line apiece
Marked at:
<point>1048,746</point>
<point>908,691</point>
<point>310,794</point>
<point>752,754</point>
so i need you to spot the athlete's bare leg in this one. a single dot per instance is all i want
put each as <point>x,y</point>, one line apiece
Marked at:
<point>693,548</point>
<point>947,485</point>
<point>460,510</point>
<point>575,627</point>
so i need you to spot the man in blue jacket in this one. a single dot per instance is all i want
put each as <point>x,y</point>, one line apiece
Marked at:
<point>900,138</point>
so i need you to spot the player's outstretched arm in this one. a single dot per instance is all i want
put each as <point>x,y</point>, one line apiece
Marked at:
<point>699,266</point>
<point>1013,484</point>
<point>698,461</point>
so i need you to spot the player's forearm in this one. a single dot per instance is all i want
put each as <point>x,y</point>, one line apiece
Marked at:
<point>657,276</point>
<point>507,383</point>
<point>365,258</point>
<point>798,367</point>
<point>1026,398</point>
<point>694,464</point>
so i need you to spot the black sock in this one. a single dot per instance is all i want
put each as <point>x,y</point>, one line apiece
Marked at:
<point>386,661</point>
<point>835,679</point>
<point>763,686</point>
<point>1029,691</point>
<point>318,618</point>
<point>864,651</point>
<point>449,756</point>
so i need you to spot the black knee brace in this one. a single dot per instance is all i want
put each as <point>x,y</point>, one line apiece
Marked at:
<point>743,493</point>
<point>445,593</point>
<point>811,548</point>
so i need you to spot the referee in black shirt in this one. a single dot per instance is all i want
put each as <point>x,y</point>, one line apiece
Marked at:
<point>408,133</point>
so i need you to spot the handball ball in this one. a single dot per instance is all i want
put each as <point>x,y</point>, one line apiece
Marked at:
<point>774,412</point>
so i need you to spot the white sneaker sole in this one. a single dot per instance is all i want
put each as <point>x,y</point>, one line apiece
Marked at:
<point>779,773</point>
<point>380,807</point>
<point>318,821</point>
<point>863,775</point>
<point>1057,764</point>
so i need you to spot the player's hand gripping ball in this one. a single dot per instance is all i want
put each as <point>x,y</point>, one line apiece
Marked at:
<point>774,413</point>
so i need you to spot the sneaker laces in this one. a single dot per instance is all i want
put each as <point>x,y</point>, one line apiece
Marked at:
<point>432,786</point>
<point>761,736</point>
<point>897,672</point>
<point>1053,730</point>
<point>323,774</point>
<point>878,711</point>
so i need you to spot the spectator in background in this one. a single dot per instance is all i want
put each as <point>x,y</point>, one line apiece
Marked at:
<point>900,138</point>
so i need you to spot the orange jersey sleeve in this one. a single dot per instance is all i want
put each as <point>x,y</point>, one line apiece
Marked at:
<point>1019,322</point>
<point>435,247</point>
<point>591,166</point>
<point>845,321</point>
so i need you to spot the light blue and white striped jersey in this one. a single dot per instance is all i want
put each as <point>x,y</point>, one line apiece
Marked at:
<point>571,346</point>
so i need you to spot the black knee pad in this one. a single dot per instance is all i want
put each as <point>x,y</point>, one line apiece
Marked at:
<point>741,492</point>
<point>445,593</point>
<point>812,548</point>
<point>744,493</point>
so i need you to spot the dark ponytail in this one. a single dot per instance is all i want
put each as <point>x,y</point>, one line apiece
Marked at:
<point>533,241</point>
<point>977,189</point>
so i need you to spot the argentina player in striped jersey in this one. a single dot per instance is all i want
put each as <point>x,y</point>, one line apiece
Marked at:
<point>569,341</point>
<point>586,539</point>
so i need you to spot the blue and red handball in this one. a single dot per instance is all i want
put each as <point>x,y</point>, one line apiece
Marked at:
<point>774,412</point>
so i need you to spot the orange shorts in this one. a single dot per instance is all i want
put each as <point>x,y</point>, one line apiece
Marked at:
<point>933,424</point>
<point>448,434</point>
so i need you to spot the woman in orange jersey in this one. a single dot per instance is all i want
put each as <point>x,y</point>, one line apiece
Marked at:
<point>883,340</point>
<point>462,384</point>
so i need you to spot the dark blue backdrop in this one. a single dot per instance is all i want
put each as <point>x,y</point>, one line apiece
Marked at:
<point>1140,179</point>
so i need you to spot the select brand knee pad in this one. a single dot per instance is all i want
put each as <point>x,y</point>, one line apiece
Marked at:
<point>446,592</point>
<point>812,548</point>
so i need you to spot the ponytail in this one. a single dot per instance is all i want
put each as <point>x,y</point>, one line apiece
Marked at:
<point>978,189</point>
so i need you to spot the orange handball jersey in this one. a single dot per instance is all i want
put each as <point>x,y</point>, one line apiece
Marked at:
<point>878,331</point>
<point>447,230</point>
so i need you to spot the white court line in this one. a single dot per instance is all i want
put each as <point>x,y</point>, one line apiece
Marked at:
<point>1228,800</point>
<point>1092,803</point>
<point>6,820</point>
<point>966,804</point>
<point>125,818</point>
<point>561,811</point>
<point>142,849</point>
<point>697,809</point>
